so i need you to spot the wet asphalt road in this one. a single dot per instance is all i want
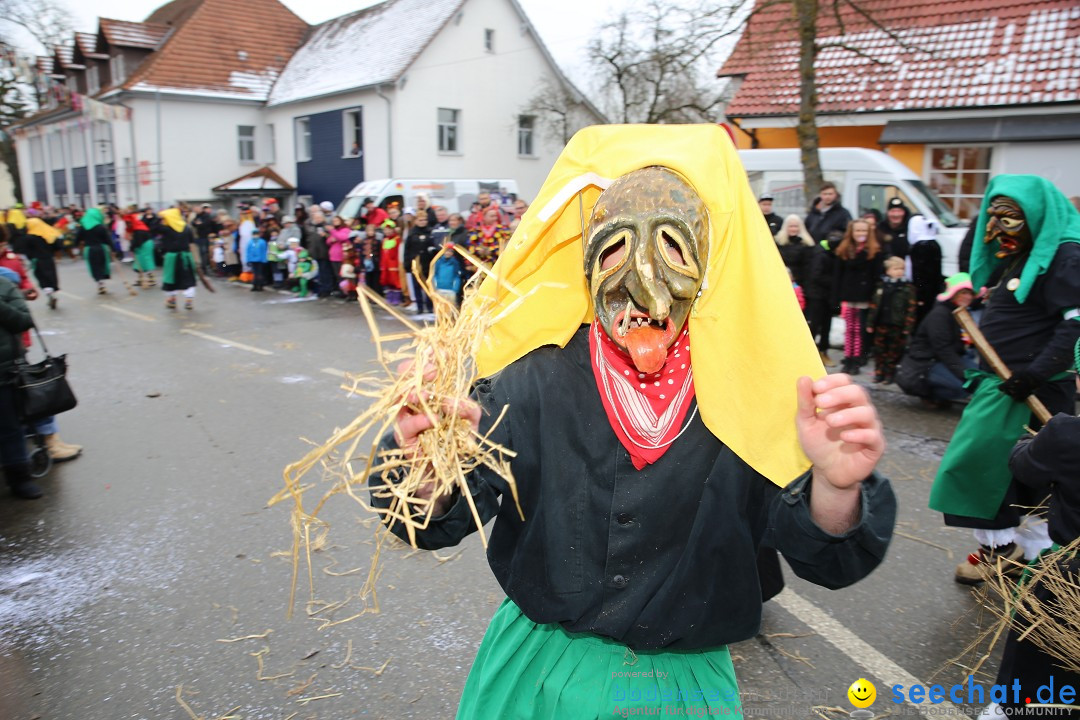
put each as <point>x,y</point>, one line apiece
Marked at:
<point>157,544</point>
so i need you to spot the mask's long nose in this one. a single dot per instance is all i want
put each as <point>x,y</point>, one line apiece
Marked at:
<point>647,290</point>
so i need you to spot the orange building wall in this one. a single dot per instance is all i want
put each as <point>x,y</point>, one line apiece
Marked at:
<point>866,136</point>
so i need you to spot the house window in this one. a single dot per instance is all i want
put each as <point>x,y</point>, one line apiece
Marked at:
<point>246,135</point>
<point>353,133</point>
<point>489,40</point>
<point>526,125</point>
<point>116,69</point>
<point>959,174</point>
<point>271,148</point>
<point>448,130</point>
<point>93,82</point>
<point>303,139</point>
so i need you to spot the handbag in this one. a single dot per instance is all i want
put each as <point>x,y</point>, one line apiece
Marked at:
<point>41,389</point>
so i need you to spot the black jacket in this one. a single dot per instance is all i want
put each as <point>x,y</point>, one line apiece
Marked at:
<point>833,222</point>
<point>14,320</point>
<point>1050,461</point>
<point>775,222</point>
<point>797,258</point>
<point>938,338</point>
<point>854,280</point>
<point>420,244</point>
<point>898,240</point>
<point>818,272</point>
<point>662,557</point>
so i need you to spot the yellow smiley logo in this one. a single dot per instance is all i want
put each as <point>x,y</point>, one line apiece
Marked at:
<point>862,693</point>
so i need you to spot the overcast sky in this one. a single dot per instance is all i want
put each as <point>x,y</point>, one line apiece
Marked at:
<point>565,39</point>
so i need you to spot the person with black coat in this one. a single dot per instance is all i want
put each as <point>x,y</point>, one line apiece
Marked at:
<point>827,220</point>
<point>96,242</point>
<point>897,216</point>
<point>421,247</point>
<point>924,263</point>
<point>15,319</point>
<point>773,220</point>
<point>857,270</point>
<point>796,248</point>
<point>937,357</point>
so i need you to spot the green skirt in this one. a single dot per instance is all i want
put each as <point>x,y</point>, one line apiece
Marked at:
<point>526,670</point>
<point>144,257</point>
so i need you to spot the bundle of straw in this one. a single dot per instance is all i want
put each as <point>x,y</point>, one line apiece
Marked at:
<point>1052,623</point>
<point>430,370</point>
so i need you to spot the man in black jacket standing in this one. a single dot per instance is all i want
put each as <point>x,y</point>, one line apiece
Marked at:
<point>775,221</point>
<point>896,225</point>
<point>826,223</point>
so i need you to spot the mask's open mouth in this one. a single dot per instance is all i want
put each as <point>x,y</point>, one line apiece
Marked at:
<point>645,339</point>
<point>1007,246</point>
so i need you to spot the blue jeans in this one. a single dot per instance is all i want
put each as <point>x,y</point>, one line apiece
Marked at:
<point>944,385</point>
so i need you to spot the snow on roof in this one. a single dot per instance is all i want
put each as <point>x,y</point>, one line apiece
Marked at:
<point>122,33</point>
<point>365,48</point>
<point>947,54</point>
<point>87,43</point>
<point>66,55</point>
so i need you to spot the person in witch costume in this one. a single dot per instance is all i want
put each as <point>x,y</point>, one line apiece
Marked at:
<point>142,247</point>
<point>1029,257</point>
<point>178,268</point>
<point>96,244</point>
<point>665,428</point>
<point>36,240</point>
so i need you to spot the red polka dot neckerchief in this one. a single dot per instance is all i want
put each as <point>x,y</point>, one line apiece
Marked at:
<point>646,411</point>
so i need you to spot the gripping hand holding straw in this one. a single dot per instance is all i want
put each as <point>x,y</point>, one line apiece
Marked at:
<point>986,350</point>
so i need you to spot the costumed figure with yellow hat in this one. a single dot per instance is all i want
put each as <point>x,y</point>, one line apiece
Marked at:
<point>665,426</point>
<point>1029,258</point>
<point>178,265</point>
<point>96,244</point>
<point>39,244</point>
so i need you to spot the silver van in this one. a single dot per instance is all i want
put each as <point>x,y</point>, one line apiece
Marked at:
<point>457,196</point>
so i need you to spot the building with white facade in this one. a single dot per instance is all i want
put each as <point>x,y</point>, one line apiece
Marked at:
<point>207,94</point>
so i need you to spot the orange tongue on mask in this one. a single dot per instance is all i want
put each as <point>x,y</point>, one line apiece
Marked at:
<point>648,348</point>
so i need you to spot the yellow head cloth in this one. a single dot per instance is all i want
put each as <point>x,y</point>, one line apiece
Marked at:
<point>749,342</point>
<point>173,218</point>
<point>16,217</point>
<point>36,226</point>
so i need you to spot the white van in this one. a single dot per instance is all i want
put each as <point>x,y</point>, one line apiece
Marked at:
<point>866,179</point>
<point>457,196</point>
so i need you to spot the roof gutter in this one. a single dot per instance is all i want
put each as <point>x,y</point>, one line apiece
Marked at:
<point>389,131</point>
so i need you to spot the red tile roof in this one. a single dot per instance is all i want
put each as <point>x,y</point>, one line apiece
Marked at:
<point>233,47</point>
<point>122,33</point>
<point>950,54</point>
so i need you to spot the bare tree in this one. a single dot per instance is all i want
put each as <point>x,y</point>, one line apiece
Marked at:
<point>653,63</point>
<point>560,110</point>
<point>47,21</point>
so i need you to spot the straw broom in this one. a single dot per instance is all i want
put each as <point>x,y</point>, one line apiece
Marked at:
<point>439,370</point>
<point>1051,624</point>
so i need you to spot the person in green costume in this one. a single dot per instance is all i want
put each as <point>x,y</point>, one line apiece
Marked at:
<point>96,244</point>
<point>1029,261</point>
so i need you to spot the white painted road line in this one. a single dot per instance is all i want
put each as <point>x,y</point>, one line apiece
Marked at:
<point>335,372</point>
<point>129,313</point>
<point>223,341</point>
<point>861,653</point>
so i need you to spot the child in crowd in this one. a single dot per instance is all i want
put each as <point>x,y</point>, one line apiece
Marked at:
<point>799,294</point>
<point>256,254</point>
<point>858,266</point>
<point>891,319</point>
<point>389,275</point>
<point>306,271</point>
<point>275,248</point>
<point>217,255</point>
<point>369,249</point>
<point>447,275</point>
<point>233,268</point>
<point>290,257</point>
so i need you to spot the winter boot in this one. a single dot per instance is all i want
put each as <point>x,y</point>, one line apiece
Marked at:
<point>21,483</point>
<point>101,289</point>
<point>170,302</point>
<point>52,300</point>
<point>826,360</point>
<point>188,303</point>
<point>60,451</point>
